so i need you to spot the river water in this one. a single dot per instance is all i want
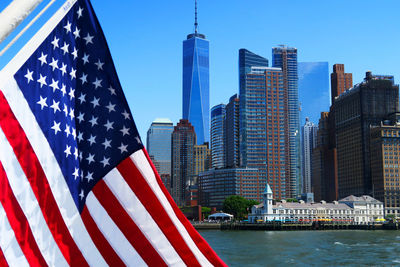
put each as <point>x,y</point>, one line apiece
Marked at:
<point>306,248</point>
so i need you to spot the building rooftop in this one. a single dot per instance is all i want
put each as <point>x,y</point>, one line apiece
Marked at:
<point>363,199</point>
<point>162,120</point>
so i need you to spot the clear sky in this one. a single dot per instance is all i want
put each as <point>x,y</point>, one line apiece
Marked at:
<point>145,39</point>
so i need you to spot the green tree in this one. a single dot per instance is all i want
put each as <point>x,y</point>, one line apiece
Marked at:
<point>238,206</point>
<point>205,211</point>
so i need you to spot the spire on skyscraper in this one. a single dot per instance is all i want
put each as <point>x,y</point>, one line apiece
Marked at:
<point>195,16</point>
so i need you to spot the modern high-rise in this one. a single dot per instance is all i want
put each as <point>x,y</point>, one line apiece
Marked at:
<point>340,81</point>
<point>182,164</point>
<point>309,142</point>
<point>159,144</point>
<point>218,136</point>
<point>196,84</point>
<point>356,111</point>
<point>232,154</point>
<point>286,58</point>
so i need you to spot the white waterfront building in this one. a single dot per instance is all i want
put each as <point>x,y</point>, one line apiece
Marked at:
<point>351,209</point>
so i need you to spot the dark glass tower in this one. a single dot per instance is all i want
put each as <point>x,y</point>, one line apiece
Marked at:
<point>196,84</point>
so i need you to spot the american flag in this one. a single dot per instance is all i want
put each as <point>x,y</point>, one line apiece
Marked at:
<point>77,186</point>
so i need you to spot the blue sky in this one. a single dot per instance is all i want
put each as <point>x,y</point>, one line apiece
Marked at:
<point>145,39</point>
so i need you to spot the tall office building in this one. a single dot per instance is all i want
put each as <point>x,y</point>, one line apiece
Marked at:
<point>218,136</point>
<point>232,154</point>
<point>340,81</point>
<point>159,144</point>
<point>196,84</point>
<point>286,58</point>
<point>309,142</point>
<point>356,111</point>
<point>182,164</point>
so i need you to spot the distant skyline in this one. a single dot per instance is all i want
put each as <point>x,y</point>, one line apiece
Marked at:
<point>145,39</point>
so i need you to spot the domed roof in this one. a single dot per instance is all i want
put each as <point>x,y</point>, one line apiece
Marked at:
<point>267,189</point>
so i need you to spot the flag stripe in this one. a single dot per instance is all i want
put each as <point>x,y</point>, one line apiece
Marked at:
<point>3,261</point>
<point>121,190</point>
<point>38,183</point>
<point>197,238</point>
<point>8,243</point>
<point>100,241</point>
<point>126,225</point>
<point>112,233</point>
<point>28,203</point>
<point>18,223</point>
<point>50,166</point>
<point>152,205</point>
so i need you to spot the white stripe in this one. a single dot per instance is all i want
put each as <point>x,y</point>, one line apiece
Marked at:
<point>29,205</point>
<point>9,244</point>
<point>58,186</point>
<point>142,218</point>
<point>112,233</point>
<point>141,162</point>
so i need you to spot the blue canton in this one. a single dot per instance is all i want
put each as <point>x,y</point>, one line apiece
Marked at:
<point>73,90</point>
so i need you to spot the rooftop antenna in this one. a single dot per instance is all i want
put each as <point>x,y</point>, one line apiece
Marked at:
<point>195,17</point>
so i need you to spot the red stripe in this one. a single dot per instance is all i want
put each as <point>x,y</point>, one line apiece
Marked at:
<point>145,194</point>
<point>3,262</point>
<point>39,184</point>
<point>127,226</point>
<point>201,243</point>
<point>100,241</point>
<point>19,223</point>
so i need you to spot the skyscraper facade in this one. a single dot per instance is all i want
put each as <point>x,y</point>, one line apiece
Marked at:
<point>309,142</point>
<point>196,84</point>
<point>340,81</point>
<point>286,58</point>
<point>218,136</point>
<point>232,154</point>
<point>182,165</point>
<point>159,144</point>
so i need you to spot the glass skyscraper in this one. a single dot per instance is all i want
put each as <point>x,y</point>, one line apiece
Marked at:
<point>286,58</point>
<point>218,136</point>
<point>196,84</point>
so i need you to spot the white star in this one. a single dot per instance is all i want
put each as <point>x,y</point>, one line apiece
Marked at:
<point>93,121</point>
<point>54,63</point>
<point>95,102</point>
<point>89,176</point>
<point>123,147</point>
<point>85,58</point>
<point>71,114</point>
<point>82,194</point>
<point>106,143</point>
<point>54,85</point>
<point>99,65</point>
<point>73,73</point>
<point>97,83</point>
<point>112,90</point>
<point>55,42</point>
<point>88,39</point>
<point>126,115</point>
<point>74,136</point>
<point>28,75</point>
<point>83,78</point>
<point>75,53</point>
<point>67,151</point>
<point>65,48</point>
<point>56,128</point>
<point>65,110</point>
<point>68,27</point>
<point>92,139</point>
<point>82,98</point>
<point>76,172</point>
<point>76,33</point>
<point>67,130</point>
<point>80,155</point>
<point>138,140</point>
<point>80,117</point>
<point>90,158</point>
<point>109,125</point>
<point>42,80</point>
<point>42,59</point>
<point>55,106</point>
<point>63,89</point>
<point>110,107</point>
<point>63,69</point>
<point>80,136</point>
<point>79,12</point>
<point>42,102</point>
<point>125,131</point>
<point>71,93</point>
<point>105,161</point>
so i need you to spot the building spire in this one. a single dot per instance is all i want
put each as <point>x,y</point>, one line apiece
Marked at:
<point>195,17</point>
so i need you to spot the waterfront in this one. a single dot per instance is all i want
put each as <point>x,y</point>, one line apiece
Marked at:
<point>306,248</point>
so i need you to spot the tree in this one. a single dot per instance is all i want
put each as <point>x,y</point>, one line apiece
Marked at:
<point>238,206</point>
